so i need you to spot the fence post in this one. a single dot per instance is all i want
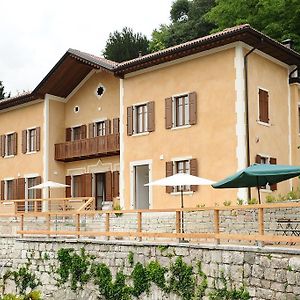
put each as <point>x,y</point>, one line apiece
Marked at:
<point>48,225</point>
<point>22,224</point>
<point>107,215</point>
<point>139,224</point>
<point>261,225</point>
<point>78,224</point>
<point>217,224</point>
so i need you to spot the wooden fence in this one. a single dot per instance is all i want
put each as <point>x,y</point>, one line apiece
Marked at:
<point>216,235</point>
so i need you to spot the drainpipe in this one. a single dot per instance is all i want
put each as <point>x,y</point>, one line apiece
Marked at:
<point>247,111</point>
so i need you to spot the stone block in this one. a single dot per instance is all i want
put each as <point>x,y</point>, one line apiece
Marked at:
<point>294,263</point>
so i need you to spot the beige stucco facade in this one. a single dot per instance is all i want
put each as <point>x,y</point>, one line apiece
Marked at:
<point>217,140</point>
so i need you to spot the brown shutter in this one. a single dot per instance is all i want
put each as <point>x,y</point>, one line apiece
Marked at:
<point>169,172</point>
<point>193,108</point>
<point>107,127</point>
<point>68,189</point>
<point>86,185</point>
<point>68,134</point>
<point>116,125</point>
<point>116,176</point>
<point>151,116</point>
<point>91,130</point>
<point>263,106</point>
<point>273,161</point>
<point>258,159</point>
<point>194,172</point>
<point>15,143</point>
<point>38,139</point>
<point>168,113</point>
<point>83,132</point>
<point>108,186</point>
<point>2,145</point>
<point>19,193</point>
<point>2,189</point>
<point>24,141</point>
<point>38,194</point>
<point>129,120</point>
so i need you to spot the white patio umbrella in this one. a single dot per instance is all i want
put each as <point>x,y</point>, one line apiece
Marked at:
<point>49,185</point>
<point>181,179</point>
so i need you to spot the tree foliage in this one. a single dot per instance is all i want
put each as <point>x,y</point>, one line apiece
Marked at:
<point>125,45</point>
<point>278,19</point>
<point>2,93</point>
<point>187,23</point>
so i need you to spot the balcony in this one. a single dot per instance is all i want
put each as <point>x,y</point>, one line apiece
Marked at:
<point>99,146</point>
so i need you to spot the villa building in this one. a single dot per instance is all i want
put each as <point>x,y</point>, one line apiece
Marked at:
<point>208,107</point>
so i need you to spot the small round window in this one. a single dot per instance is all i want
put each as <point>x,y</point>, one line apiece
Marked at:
<point>100,91</point>
<point>76,109</point>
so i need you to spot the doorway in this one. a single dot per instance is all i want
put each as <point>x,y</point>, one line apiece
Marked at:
<point>99,190</point>
<point>141,192</point>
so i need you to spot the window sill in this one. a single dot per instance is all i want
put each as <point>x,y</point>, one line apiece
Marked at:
<point>9,156</point>
<point>141,134</point>
<point>32,152</point>
<point>189,193</point>
<point>181,127</point>
<point>264,124</point>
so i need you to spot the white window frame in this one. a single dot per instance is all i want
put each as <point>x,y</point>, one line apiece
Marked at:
<point>28,139</point>
<point>174,115</point>
<point>134,120</point>
<point>6,145</point>
<point>269,107</point>
<point>267,157</point>
<point>6,188</point>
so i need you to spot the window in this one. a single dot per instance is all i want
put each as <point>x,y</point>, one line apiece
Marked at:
<point>9,190</point>
<point>263,97</point>
<point>76,133</point>
<point>76,186</point>
<point>181,110</point>
<point>141,118</point>
<point>100,128</point>
<point>263,159</point>
<point>8,144</point>
<point>31,140</point>
<point>189,166</point>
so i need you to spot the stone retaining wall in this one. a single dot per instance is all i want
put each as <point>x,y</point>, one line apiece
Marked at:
<point>269,273</point>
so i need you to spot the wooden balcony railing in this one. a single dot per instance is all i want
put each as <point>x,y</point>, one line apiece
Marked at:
<point>88,148</point>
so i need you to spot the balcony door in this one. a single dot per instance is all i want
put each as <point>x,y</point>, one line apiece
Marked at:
<point>100,190</point>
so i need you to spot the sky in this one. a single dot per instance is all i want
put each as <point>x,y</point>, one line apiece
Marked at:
<point>34,34</point>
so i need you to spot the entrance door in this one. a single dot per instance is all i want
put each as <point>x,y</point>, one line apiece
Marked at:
<point>100,190</point>
<point>141,191</point>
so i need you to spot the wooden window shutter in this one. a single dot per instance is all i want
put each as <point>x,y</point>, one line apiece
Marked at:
<point>130,120</point>
<point>151,116</point>
<point>168,113</point>
<point>108,186</point>
<point>24,141</point>
<point>15,189</point>
<point>2,189</point>
<point>15,143</point>
<point>19,192</point>
<point>38,180</point>
<point>38,139</point>
<point>68,134</point>
<point>91,130</point>
<point>116,176</point>
<point>273,161</point>
<point>83,132</point>
<point>107,127</point>
<point>193,108</point>
<point>169,172</point>
<point>116,125</point>
<point>68,189</point>
<point>263,106</point>
<point>194,172</point>
<point>86,187</point>
<point>2,145</point>
<point>258,159</point>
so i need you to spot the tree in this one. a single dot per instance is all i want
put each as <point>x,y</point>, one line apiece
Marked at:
<point>2,94</point>
<point>125,45</point>
<point>278,19</point>
<point>187,23</point>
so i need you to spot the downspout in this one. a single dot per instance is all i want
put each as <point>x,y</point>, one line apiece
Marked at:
<point>247,112</point>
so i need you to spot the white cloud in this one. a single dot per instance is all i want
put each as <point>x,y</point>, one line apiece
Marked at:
<point>35,34</point>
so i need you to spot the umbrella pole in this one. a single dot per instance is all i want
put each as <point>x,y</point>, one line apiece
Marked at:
<point>259,202</point>
<point>182,222</point>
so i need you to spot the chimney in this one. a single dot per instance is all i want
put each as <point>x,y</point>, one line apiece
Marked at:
<point>288,43</point>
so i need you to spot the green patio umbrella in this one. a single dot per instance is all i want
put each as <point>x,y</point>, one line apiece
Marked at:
<point>258,175</point>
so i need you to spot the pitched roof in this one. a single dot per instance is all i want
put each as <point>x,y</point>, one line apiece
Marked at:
<point>75,65</point>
